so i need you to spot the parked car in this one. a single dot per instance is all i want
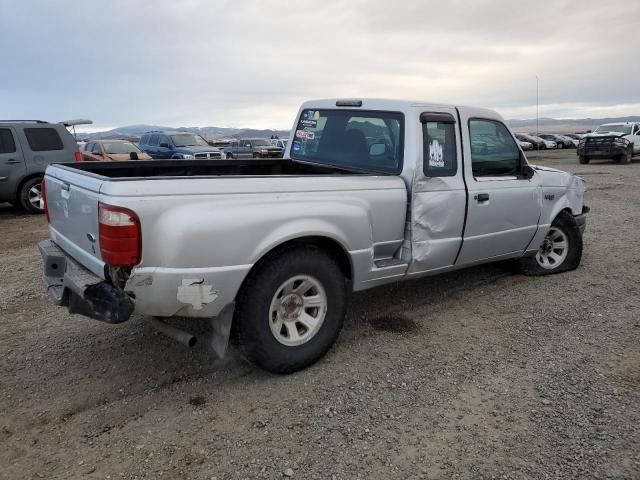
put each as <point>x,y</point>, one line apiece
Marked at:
<point>112,150</point>
<point>525,145</point>
<point>280,143</point>
<point>252,148</point>
<point>271,248</point>
<point>560,141</point>
<point>548,144</point>
<point>618,141</point>
<point>178,145</point>
<point>575,137</point>
<point>538,143</point>
<point>27,147</point>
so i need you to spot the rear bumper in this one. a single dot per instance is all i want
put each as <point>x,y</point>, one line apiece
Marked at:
<point>70,284</point>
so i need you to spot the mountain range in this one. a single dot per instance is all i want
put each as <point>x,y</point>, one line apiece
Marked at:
<point>545,124</point>
<point>209,133</point>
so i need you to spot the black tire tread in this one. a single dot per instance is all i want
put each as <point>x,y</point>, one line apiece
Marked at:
<point>257,349</point>
<point>529,266</point>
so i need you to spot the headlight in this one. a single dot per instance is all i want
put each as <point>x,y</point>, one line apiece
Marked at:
<point>620,141</point>
<point>188,156</point>
<point>264,150</point>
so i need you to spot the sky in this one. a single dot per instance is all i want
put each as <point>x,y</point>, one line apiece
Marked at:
<point>250,64</point>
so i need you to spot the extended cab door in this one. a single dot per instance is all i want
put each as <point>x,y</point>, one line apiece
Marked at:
<point>438,195</point>
<point>503,206</point>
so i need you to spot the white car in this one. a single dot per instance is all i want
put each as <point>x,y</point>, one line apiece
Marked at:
<point>525,145</point>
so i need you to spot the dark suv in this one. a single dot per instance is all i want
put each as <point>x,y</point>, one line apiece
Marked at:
<point>253,148</point>
<point>184,145</point>
<point>27,147</point>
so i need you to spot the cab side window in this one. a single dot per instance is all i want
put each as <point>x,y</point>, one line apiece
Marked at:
<point>494,153</point>
<point>439,149</point>
<point>7,144</point>
<point>153,141</point>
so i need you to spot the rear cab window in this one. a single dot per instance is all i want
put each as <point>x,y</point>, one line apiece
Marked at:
<point>43,139</point>
<point>352,139</point>
<point>439,145</point>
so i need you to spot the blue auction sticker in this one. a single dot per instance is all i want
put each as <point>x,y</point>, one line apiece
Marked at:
<point>296,146</point>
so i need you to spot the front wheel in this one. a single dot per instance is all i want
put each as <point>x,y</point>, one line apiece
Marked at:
<point>291,309</point>
<point>584,159</point>
<point>30,195</point>
<point>626,158</point>
<point>561,249</point>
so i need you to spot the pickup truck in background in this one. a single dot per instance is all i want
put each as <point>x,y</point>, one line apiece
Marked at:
<point>370,192</point>
<point>253,148</point>
<point>618,141</point>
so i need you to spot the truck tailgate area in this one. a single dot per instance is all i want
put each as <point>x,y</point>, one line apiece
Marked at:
<point>72,202</point>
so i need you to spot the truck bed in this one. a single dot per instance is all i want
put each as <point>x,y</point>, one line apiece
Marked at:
<point>130,170</point>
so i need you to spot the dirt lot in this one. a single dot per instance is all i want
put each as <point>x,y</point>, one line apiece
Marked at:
<point>476,374</point>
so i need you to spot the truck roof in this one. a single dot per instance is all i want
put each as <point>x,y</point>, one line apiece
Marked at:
<point>391,104</point>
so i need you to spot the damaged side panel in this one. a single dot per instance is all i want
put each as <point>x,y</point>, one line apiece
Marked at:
<point>197,292</point>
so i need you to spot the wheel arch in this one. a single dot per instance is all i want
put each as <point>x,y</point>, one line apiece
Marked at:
<point>329,245</point>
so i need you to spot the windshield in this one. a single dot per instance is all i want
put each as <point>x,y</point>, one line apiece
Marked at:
<point>368,140</point>
<point>188,140</point>
<point>626,129</point>
<point>120,147</point>
<point>260,143</point>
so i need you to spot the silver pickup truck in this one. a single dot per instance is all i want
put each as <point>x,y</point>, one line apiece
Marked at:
<point>370,192</point>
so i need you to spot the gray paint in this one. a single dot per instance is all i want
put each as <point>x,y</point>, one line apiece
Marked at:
<point>211,231</point>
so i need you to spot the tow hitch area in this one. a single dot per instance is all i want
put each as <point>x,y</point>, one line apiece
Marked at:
<point>70,284</point>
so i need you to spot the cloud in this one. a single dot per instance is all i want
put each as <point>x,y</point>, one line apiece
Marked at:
<point>250,64</point>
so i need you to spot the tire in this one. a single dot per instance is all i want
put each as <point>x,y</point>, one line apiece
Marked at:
<point>626,158</point>
<point>583,159</point>
<point>229,156</point>
<point>256,156</point>
<point>548,259</point>
<point>30,196</point>
<point>285,345</point>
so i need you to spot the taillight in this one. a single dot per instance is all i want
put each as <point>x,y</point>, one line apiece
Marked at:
<point>120,237</point>
<point>43,193</point>
<point>78,156</point>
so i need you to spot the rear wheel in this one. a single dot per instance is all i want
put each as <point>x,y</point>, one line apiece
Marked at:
<point>229,156</point>
<point>584,159</point>
<point>561,249</point>
<point>30,195</point>
<point>291,309</point>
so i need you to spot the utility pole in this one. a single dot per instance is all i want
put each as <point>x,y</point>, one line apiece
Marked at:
<point>537,116</point>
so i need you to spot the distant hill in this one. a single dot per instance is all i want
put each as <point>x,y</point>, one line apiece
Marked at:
<point>209,133</point>
<point>565,125</point>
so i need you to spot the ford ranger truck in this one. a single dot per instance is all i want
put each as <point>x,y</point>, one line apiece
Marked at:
<point>619,141</point>
<point>370,192</point>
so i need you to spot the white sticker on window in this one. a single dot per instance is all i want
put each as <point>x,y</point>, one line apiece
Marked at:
<point>436,157</point>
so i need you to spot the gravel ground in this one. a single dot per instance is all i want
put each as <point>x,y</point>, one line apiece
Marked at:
<point>475,374</point>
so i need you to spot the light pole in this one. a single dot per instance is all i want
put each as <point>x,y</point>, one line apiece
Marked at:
<point>537,116</point>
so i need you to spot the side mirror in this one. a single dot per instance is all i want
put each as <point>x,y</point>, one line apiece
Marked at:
<point>164,145</point>
<point>377,149</point>
<point>527,170</point>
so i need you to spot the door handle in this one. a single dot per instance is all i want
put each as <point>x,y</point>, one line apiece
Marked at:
<point>13,160</point>
<point>482,197</point>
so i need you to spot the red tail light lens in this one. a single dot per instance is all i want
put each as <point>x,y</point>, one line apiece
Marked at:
<point>78,156</point>
<point>120,237</point>
<point>43,192</point>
